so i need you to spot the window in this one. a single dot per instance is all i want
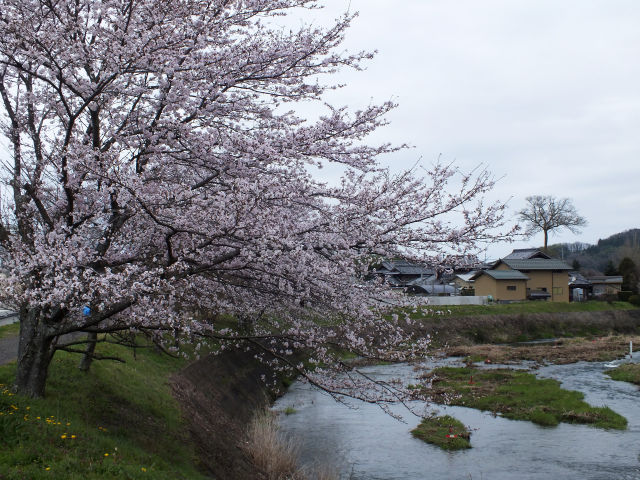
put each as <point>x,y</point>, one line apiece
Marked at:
<point>557,290</point>
<point>511,287</point>
<point>544,289</point>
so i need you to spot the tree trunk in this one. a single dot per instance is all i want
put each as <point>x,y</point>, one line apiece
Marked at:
<point>546,238</point>
<point>87,358</point>
<point>34,354</point>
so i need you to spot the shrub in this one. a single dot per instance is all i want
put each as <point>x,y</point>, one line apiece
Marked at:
<point>634,300</point>
<point>624,295</point>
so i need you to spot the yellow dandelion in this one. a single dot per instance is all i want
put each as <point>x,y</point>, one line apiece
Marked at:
<point>143,469</point>
<point>63,436</point>
<point>68,424</point>
<point>14,407</point>
<point>37,418</point>
<point>48,468</point>
<point>106,454</point>
<point>73,436</point>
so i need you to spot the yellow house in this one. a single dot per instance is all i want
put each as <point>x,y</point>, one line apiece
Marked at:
<point>540,278</point>
<point>548,277</point>
<point>502,285</point>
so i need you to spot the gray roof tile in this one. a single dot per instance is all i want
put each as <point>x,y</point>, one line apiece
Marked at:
<point>536,264</point>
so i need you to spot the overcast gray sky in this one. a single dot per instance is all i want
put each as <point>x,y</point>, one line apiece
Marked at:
<point>546,93</point>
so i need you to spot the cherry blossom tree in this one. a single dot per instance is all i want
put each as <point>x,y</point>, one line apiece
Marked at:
<point>158,174</point>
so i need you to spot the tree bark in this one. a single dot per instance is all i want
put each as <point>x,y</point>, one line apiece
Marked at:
<point>546,238</point>
<point>34,354</point>
<point>87,358</point>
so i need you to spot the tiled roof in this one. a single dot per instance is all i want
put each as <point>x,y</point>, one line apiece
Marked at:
<point>606,279</point>
<point>536,264</point>
<point>403,267</point>
<point>503,274</point>
<point>526,253</point>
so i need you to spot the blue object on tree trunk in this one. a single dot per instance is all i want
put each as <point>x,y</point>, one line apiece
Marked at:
<point>86,311</point>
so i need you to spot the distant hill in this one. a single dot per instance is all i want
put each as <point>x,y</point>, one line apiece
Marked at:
<point>593,259</point>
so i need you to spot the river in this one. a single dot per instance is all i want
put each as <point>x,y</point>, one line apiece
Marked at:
<point>364,443</point>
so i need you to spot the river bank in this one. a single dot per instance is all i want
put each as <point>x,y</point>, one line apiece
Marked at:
<point>366,444</point>
<point>557,351</point>
<point>215,397</point>
<point>449,330</point>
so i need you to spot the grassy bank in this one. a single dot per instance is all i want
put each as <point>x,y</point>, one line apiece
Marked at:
<point>118,421</point>
<point>438,311</point>
<point>626,373</point>
<point>446,432</point>
<point>517,395</point>
<point>11,330</point>
<point>524,322</point>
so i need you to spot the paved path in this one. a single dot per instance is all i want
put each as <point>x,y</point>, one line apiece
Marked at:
<point>9,319</point>
<point>8,349</point>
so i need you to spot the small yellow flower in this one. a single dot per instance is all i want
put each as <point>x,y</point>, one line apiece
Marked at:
<point>73,436</point>
<point>63,436</point>
<point>68,424</point>
<point>14,407</point>
<point>37,418</point>
<point>106,454</point>
<point>48,468</point>
<point>143,469</point>
<point>28,408</point>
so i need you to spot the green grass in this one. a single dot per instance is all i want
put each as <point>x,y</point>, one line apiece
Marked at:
<point>519,395</point>
<point>515,308</point>
<point>435,430</point>
<point>626,373</point>
<point>118,421</point>
<point>11,330</point>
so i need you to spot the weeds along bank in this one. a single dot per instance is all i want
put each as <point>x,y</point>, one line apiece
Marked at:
<point>219,396</point>
<point>151,417</point>
<point>518,327</point>
<point>151,427</point>
<point>117,421</point>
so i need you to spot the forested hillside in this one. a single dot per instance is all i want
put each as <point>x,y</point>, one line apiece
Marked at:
<point>596,258</point>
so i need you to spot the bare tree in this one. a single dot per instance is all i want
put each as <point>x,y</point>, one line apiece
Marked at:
<point>545,213</point>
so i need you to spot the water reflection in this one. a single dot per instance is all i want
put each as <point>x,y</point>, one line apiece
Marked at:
<point>364,443</point>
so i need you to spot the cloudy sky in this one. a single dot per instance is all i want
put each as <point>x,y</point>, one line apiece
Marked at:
<point>545,93</point>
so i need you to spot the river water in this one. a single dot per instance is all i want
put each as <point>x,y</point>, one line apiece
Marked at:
<point>364,443</point>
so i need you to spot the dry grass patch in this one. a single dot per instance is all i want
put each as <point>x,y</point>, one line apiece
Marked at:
<point>276,456</point>
<point>563,351</point>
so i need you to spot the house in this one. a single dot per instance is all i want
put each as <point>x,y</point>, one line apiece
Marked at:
<point>414,278</point>
<point>525,274</point>
<point>401,273</point>
<point>580,287</point>
<point>501,285</point>
<point>606,285</point>
<point>464,280</point>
